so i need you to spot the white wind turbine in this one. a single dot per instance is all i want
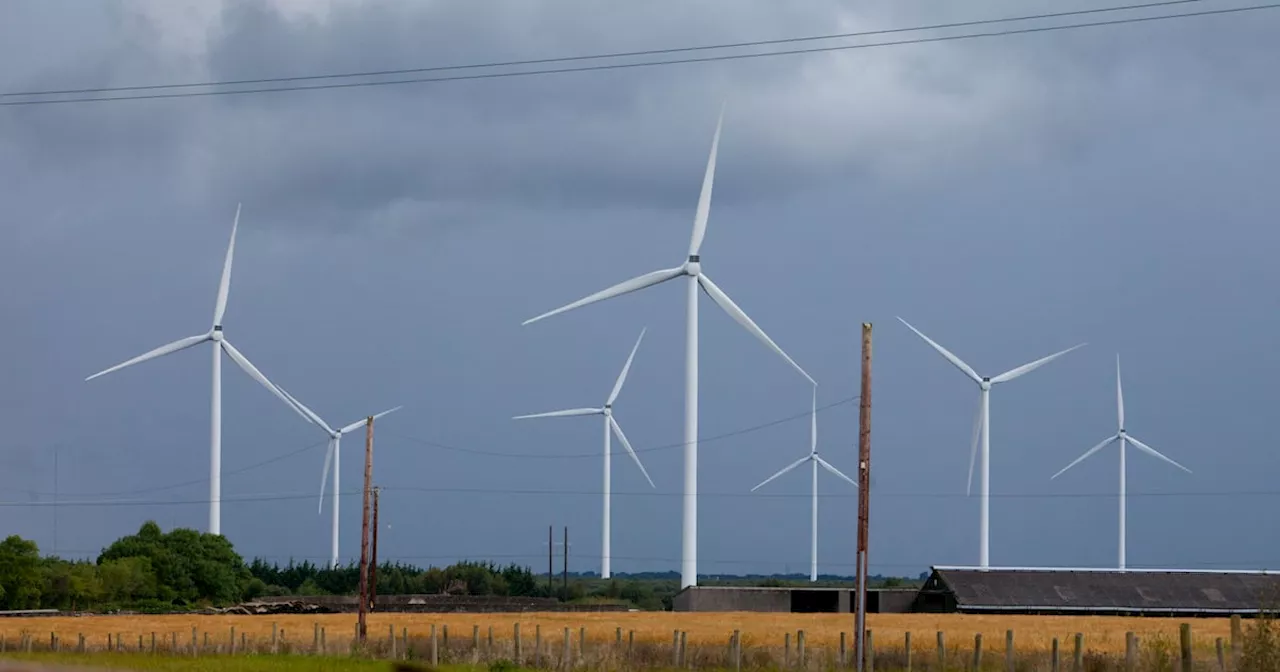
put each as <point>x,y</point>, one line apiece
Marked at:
<point>220,345</point>
<point>1122,436</point>
<point>692,269</point>
<point>610,427</point>
<point>333,455</point>
<point>815,460</point>
<point>982,427</point>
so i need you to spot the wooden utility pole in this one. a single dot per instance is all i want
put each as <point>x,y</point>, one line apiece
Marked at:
<point>373,561</point>
<point>361,626</point>
<point>566,563</point>
<point>551,550</point>
<point>864,497</point>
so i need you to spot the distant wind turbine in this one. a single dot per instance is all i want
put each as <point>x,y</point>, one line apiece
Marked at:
<point>982,427</point>
<point>1122,436</point>
<point>333,456</point>
<point>815,461</point>
<point>220,345</point>
<point>692,269</point>
<point>611,427</point>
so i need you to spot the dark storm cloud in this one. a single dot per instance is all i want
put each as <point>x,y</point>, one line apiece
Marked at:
<point>1010,197</point>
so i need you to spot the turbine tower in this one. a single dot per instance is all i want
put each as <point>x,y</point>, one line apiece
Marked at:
<point>611,426</point>
<point>816,461</point>
<point>333,456</point>
<point>692,269</point>
<point>220,345</point>
<point>982,428</point>
<point>1123,437</point>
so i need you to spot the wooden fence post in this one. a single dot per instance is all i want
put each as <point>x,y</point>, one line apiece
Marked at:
<point>800,648</point>
<point>517,645</point>
<point>977,652</point>
<point>906,643</point>
<point>582,644</point>
<point>475,640</point>
<point>1054,658</point>
<point>1237,641</point>
<point>1009,654</point>
<point>1077,659</point>
<point>1130,653</point>
<point>1222,660</point>
<point>842,653</point>
<point>1184,642</point>
<point>435,645</point>
<point>942,650</point>
<point>737,650</point>
<point>315,638</point>
<point>683,641</point>
<point>786,651</point>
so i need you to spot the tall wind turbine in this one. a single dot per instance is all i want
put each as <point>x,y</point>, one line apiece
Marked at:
<point>815,461</point>
<point>610,427</point>
<point>692,269</point>
<point>333,455</point>
<point>220,345</point>
<point>982,427</point>
<point>1122,436</point>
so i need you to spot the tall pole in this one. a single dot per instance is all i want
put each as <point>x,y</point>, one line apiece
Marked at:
<point>864,493</point>
<point>55,501</point>
<point>333,499</point>
<point>984,502</point>
<point>566,563</point>
<point>215,440</point>
<point>363,605</point>
<point>606,564</point>
<point>1123,488</point>
<point>551,567</point>
<point>689,531</point>
<point>373,562</point>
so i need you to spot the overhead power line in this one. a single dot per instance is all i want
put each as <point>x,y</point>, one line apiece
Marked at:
<point>638,64</point>
<point>590,57</point>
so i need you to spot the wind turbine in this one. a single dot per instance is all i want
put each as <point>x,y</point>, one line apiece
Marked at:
<point>1122,436</point>
<point>332,455</point>
<point>220,345</point>
<point>692,269</point>
<point>982,427</point>
<point>815,460</point>
<point>610,427</point>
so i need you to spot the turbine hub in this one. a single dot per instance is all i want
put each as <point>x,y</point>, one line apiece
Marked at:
<point>694,265</point>
<point>1122,431</point>
<point>608,409</point>
<point>986,383</point>
<point>216,334</point>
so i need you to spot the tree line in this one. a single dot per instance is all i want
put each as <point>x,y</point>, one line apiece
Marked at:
<point>155,570</point>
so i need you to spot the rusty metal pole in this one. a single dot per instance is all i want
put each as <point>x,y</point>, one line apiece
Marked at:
<point>373,561</point>
<point>363,606</point>
<point>864,496</point>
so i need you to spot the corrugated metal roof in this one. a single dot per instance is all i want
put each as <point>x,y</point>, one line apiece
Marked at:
<point>1108,591</point>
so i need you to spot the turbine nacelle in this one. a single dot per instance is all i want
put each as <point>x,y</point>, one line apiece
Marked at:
<point>215,334</point>
<point>985,384</point>
<point>693,266</point>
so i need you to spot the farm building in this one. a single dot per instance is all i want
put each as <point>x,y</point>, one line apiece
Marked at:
<point>1136,592</point>
<point>798,599</point>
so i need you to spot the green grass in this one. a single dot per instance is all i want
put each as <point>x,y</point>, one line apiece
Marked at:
<point>211,663</point>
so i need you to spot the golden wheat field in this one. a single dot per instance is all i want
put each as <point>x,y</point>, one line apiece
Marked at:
<point>1032,633</point>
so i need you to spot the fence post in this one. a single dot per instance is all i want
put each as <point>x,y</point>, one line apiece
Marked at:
<point>195,643</point>
<point>683,641</point>
<point>869,653</point>
<point>1009,654</point>
<point>489,646</point>
<point>977,652</point>
<point>537,645</point>
<point>1130,653</point>
<point>1237,641</point>
<point>786,651</point>
<point>233,639</point>
<point>153,641</point>
<point>475,640</point>
<point>675,648</point>
<point>444,639</point>
<point>1184,642</point>
<point>1054,664</point>
<point>800,648</point>
<point>842,651</point>
<point>737,650</point>
<point>582,643</point>
<point>1222,660</point>
<point>275,641</point>
<point>906,642</point>
<point>565,653</point>
<point>315,638</point>
<point>1077,660</point>
<point>435,645</point>
<point>942,650</point>
<point>631,643</point>
<point>391,639</point>
<point>517,646</point>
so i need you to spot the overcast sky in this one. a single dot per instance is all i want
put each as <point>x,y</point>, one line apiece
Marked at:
<point>1010,197</point>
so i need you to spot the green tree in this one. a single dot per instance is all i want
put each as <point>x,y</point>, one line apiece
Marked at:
<point>128,579</point>
<point>189,566</point>
<point>21,580</point>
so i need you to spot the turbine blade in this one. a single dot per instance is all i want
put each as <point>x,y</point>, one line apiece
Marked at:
<point>254,373</point>
<point>1153,452</point>
<point>741,318</point>
<point>180,344</point>
<point>1028,368</point>
<point>1087,453</point>
<point>973,447</point>
<point>622,377</point>
<point>782,471</point>
<point>617,431</point>
<point>225,285</point>
<point>562,414</point>
<point>813,424</point>
<point>624,287</point>
<point>324,477</point>
<point>827,465</point>
<point>357,425</point>
<point>704,198</point>
<point>956,361</point>
<point>1119,394</point>
<point>307,413</point>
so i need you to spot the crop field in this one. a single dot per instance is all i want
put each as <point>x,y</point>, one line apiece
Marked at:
<point>764,630</point>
